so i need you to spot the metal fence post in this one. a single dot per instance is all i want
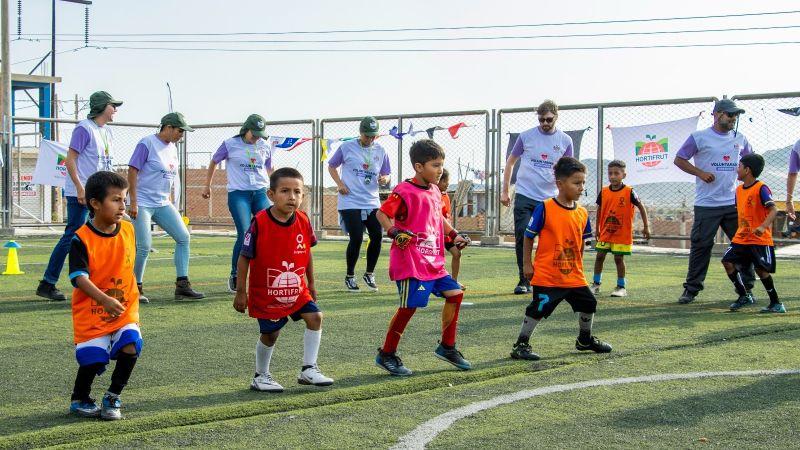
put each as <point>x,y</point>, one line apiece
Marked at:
<point>600,131</point>
<point>183,161</point>
<point>400,151</point>
<point>487,179</point>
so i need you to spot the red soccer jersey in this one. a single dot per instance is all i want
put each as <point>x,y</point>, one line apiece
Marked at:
<point>279,253</point>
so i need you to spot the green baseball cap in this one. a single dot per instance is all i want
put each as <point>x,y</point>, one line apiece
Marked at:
<point>98,102</point>
<point>369,126</point>
<point>256,124</point>
<point>176,119</point>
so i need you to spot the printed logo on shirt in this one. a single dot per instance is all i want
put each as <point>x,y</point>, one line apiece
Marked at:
<point>565,256</point>
<point>428,245</point>
<point>116,291</point>
<point>301,247</point>
<point>170,172</point>
<point>557,148</point>
<point>612,223</point>
<point>285,285</point>
<point>728,164</point>
<point>650,153</point>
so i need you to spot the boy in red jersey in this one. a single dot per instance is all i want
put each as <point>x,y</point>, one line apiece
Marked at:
<point>105,302</point>
<point>556,273</point>
<point>752,242</point>
<point>277,254</point>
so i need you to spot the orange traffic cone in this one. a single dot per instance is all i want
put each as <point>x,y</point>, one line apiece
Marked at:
<point>12,263</point>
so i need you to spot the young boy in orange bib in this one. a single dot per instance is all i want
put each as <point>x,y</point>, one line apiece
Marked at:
<point>615,205</point>
<point>105,302</point>
<point>752,242</point>
<point>556,273</point>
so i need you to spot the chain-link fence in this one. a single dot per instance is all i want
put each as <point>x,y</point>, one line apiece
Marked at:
<point>40,205</point>
<point>476,154</point>
<point>201,145</point>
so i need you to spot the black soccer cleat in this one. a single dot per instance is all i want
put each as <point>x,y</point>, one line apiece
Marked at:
<point>594,344</point>
<point>687,297</point>
<point>49,291</point>
<point>522,350</point>
<point>452,356</point>
<point>392,363</point>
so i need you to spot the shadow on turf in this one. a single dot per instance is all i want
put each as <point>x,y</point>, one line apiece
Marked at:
<point>763,393</point>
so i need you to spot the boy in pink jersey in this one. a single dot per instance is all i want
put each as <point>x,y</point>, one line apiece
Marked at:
<point>413,217</point>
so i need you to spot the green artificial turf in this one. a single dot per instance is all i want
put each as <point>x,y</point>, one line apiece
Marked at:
<point>190,386</point>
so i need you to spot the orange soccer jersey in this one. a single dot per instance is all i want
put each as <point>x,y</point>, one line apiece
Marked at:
<point>559,256</point>
<point>752,206</point>
<point>107,259</point>
<point>615,219</point>
<point>446,207</point>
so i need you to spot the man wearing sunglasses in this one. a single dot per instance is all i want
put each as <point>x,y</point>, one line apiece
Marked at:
<point>716,152</point>
<point>537,149</point>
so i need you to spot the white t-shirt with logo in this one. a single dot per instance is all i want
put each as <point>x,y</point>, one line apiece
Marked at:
<point>538,154</point>
<point>716,153</point>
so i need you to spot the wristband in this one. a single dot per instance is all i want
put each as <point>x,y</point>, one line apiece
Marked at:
<point>453,234</point>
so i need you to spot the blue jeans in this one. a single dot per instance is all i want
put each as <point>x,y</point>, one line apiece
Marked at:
<point>76,217</point>
<point>168,218</point>
<point>243,206</point>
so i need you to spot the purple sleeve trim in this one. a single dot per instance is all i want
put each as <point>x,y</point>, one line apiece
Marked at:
<point>518,147</point>
<point>688,149</point>
<point>337,159</point>
<point>569,152</point>
<point>139,157</point>
<point>220,154</point>
<point>794,159</point>
<point>80,139</point>
<point>386,168</point>
<point>249,243</point>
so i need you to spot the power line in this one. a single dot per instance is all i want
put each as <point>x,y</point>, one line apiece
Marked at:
<point>444,50</point>
<point>435,39</point>
<point>39,57</point>
<point>473,27</point>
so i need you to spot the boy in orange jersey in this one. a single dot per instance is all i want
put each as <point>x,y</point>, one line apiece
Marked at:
<point>556,273</point>
<point>752,242</point>
<point>447,209</point>
<point>105,302</point>
<point>615,226</point>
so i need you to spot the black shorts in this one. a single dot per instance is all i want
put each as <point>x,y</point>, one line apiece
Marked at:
<point>545,300</point>
<point>761,256</point>
<point>448,245</point>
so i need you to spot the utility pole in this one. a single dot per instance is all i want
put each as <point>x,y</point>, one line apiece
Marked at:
<point>5,118</point>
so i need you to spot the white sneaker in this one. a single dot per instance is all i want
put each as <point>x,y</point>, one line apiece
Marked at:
<point>619,292</point>
<point>264,383</point>
<point>313,376</point>
<point>595,289</point>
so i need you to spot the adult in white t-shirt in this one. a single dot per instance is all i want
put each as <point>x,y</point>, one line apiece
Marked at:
<point>715,152</point>
<point>153,184</point>
<point>90,150</point>
<point>248,167</point>
<point>364,166</point>
<point>537,149</point>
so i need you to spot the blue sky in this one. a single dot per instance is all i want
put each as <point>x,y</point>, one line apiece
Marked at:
<point>225,87</point>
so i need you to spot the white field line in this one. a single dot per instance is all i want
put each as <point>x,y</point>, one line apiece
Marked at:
<point>425,433</point>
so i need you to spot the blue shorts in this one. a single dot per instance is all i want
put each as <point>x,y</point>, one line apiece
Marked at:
<point>105,348</point>
<point>415,293</point>
<point>271,326</point>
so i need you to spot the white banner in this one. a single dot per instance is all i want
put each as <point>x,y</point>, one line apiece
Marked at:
<point>648,150</point>
<point>51,167</point>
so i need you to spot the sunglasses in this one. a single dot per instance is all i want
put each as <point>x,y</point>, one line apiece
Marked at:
<point>547,119</point>
<point>732,115</point>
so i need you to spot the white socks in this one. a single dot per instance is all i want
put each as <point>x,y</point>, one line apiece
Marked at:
<point>263,357</point>
<point>311,340</point>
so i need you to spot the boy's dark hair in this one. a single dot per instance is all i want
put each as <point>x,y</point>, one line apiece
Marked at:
<point>97,187</point>
<point>566,166</point>
<point>283,172</point>
<point>754,162</point>
<point>546,107</point>
<point>445,175</point>
<point>425,150</point>
<point>617,163</point>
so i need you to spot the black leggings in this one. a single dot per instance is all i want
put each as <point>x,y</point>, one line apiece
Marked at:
<point>351,218</point>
